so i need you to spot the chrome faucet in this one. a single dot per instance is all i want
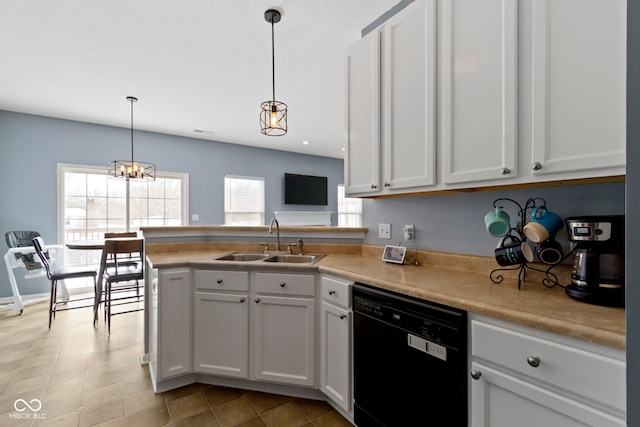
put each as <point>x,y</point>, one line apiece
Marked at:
<point>277,232</point>
<point>300,247</point>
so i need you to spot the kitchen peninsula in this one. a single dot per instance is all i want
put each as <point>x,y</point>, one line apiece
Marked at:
<point>185,255</point>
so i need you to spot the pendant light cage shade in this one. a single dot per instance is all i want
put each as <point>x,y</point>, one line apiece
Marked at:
<point>273,114</point>
<point>131,169</point>
<point>273,118</point>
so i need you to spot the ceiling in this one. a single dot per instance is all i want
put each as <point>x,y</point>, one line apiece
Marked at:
<point>193,64</point>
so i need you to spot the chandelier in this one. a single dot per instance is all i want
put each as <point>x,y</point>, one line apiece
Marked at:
<point>273,114</point>
<point>125,169</point>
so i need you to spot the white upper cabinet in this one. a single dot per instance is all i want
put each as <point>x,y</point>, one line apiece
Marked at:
<point>408,98</point>
<point>478,111</point>
<point>579,86</point>
<point>362,158</point>
<point>390,105</point>
<point>502,92</point>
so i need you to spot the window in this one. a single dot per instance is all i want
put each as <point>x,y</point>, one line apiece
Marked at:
<point>349,210</point>
<point>243,200</point>
<point>90,204</point>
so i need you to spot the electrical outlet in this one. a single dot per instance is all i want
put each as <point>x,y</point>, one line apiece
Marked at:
<point>195,217</point>
<point>384,231</point>
<point>409,233</point>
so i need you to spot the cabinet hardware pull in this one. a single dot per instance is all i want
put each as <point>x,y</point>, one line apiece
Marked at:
<point>241,299</point>
<point>332,292</point>
<point>343,316</point>
<point>505,171</point>
<point>536,166</point>
<point>219,281</point>
<point>533,361</point>
<point>257,299</point>
<point>282,284</point>
<point>475,374</point>
<point>373,186</point>
<point>386,184</point>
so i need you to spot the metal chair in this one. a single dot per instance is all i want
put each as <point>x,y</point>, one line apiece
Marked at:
<point>122,263</point>
<point>57,274</point>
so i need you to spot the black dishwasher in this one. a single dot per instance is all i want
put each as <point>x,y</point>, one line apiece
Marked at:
<point>410,361</point>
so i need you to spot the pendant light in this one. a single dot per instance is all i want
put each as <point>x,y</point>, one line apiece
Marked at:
<point>125,169</point>
<point>273,114</point>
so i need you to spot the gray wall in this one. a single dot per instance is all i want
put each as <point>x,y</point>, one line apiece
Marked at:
<point>32,146</point>
<point>455,222</point>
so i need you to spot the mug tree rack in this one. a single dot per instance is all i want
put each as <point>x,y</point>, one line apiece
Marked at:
<point>550,280</point>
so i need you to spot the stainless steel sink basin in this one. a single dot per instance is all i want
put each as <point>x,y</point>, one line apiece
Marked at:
<point>242,256</point>
<point>300,259</point>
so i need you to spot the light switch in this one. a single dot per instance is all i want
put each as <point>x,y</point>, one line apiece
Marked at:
<point>195,217</point>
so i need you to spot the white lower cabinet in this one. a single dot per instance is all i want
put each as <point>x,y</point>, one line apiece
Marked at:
<point>335,341</point>
<point>221,323</point>
<point>284,328</point>
<point>526,377</point>
<point>258,326</point>
<point>170,324</point>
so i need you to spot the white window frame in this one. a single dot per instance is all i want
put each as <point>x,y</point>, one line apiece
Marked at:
<point>341,195</point>
<point>63,168</point>
<point>253,178</point>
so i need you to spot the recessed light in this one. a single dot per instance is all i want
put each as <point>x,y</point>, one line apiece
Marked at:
<point>204,132</point>
<point>305,142</point>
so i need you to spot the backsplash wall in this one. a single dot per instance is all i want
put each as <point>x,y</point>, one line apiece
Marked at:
<point>455,222</point>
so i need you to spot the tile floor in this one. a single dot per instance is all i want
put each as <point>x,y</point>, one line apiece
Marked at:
<point>83,376</point>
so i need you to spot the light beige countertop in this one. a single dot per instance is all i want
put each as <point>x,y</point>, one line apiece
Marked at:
<point>460,281</point>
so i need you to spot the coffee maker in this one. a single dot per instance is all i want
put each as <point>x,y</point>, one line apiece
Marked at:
<point>598,267</point>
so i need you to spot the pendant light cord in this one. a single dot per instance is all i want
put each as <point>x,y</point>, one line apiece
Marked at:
<point>131,100</point>
<point>273,60</point>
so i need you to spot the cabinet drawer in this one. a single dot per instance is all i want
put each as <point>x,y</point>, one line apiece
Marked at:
<point>222,280</point>
<point>338,291</point>
<point>591,371</point>
<point>286,284</point>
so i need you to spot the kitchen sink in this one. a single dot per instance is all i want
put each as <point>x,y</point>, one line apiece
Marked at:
<point>242,256</point>
<point>300,259</point>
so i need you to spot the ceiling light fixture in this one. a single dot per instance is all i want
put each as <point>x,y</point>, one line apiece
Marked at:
<point>125,169</point>
<point>273,114</point>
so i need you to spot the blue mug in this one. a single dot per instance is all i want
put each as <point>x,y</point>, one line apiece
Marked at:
<point>544,224</point>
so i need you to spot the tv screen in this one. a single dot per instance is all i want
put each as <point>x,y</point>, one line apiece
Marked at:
<point>305,190</point>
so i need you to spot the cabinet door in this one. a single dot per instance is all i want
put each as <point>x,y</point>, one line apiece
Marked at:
<point>173,323</point>
<point>284,339</point>
<point>502,400</point>
<point>479,89</point>
<point>409,95</point>
<point>362,108</point>
<point>579,86</point>
<point>221,334</point>
<point>335,354</point>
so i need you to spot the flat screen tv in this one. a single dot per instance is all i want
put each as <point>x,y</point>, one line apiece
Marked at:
<point>305,190</point>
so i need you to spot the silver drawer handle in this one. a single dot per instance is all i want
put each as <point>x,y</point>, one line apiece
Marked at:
<point>282,284</point>
<point>533,361</point>
<point>475,374</point>
<point>219,281</point>
<point>536,166</point>
<point>343,316</point>
<point>241,299</point>
<point>373,186</point>
<point>505,171</point>
<point>257,299</point>
<point>332,292</point>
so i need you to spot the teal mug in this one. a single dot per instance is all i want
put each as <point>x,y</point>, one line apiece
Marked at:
<point>497,222</point>
<point>543,225</point>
